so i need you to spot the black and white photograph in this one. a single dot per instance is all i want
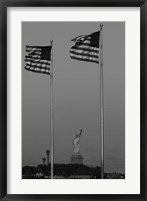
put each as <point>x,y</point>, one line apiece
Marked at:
<point>73,100</point>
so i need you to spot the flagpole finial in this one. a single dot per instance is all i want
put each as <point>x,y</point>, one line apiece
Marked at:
<point>101,26</point>
<point>51,41</point>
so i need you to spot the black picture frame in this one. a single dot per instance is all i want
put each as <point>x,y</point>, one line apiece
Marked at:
<point>3,94</point>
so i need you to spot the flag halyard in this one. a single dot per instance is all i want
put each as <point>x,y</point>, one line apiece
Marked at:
<point>86,48</point>
<point>38,59</point>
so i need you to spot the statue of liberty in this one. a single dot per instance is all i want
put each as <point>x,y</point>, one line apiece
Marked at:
<point>76,142</point>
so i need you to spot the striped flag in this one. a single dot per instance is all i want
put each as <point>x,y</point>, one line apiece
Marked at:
<point>38,59</point>
<point>86,47</point>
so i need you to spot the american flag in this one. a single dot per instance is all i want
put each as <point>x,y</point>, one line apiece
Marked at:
<point>38,59</point>
<point>86,47</point>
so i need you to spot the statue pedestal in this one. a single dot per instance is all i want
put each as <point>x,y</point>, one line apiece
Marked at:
<point>77,159</point>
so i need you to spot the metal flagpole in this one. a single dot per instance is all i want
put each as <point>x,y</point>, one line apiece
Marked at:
<point>101,103</point>
<point>51,113</point>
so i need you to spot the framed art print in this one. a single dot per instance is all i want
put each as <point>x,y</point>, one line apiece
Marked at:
<point>73,100</point>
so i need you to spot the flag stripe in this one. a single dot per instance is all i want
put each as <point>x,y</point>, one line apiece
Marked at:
<point>78,38</point>
<point>33,56</point>
<point>84,55</point>
<point>38,67</point>
<point>33,70</point>
<point>86,58</point>
<point>44,65</point>
<point>28,60</point>
<point>81,59</point>
<point>28,49</point>
<point>86,42</point>
<point>84,52</point>
<point>34,53</point>
<point>85,49</point>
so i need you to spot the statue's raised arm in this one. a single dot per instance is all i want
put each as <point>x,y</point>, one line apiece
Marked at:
<point>81,130</point>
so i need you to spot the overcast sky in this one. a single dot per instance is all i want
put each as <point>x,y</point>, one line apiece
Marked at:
<point>76,96</point>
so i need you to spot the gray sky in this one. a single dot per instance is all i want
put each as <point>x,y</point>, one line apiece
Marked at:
<point>76,96</point>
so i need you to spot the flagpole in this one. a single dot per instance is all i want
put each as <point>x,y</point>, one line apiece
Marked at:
<point>101,103</point>
<point>51,114</point>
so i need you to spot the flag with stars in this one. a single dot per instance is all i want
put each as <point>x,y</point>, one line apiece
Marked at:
<point>38,59</point>
<point>86,48</point>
